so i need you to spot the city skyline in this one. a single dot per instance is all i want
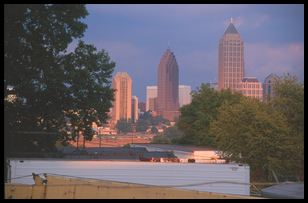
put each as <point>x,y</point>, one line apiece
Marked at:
<point>135,36</point>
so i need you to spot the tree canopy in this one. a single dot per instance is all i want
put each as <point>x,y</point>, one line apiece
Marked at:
<point>267,136</point>
<point>51,86</point>
<point>289,100</point>
<point>251,132</point>
<point>124,125</point>
<point>196,117</point>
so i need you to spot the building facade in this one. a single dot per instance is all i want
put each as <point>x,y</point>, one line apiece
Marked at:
<point>268,91</point>
<point>142,107</point>
<point>231,60</point>
<point>122,104</point>
<point>184,95</point>
<point>153,104</point>
<point>150,95</point>
<point>168,86</point>
<point>251,87</point>
<point>135,113</point>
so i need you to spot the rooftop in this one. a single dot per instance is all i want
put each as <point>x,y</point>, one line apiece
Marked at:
<point>250,79</point>
<point>231,29</point>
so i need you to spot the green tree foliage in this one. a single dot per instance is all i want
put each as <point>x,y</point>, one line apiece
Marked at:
<point>289,100</point>
<point>146,120</point>
<point>174,135</point>
<point>251,132</point>
<point>88,88</point>
<point>154,130</point>
<point>196,117</point>
<point>124,126</point>
<point>50,85</point>
<point>161,139</point>
<point>171,135</point>
<point>143,122</point>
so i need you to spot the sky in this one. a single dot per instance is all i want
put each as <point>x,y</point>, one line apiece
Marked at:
<point>136,36</point>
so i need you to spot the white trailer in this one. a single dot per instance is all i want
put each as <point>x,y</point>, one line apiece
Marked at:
<point>219,178</point>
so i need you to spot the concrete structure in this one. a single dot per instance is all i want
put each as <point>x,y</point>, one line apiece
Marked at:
<point>184,95</point>
<point>251,87</point>
<point>135,113</point>
<point>231,59</point>
<point>268,91</point>
<point>122,105</point>
<point>167,86</point>
<point>218,178</point>
<point>151,93</point>
<point>65,187</point>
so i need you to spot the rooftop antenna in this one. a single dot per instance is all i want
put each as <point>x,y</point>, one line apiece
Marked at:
<point>168,45</point>
<point>231,20</point>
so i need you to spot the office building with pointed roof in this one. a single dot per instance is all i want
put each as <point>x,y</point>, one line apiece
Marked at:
<point>231,60</point>
<point>168,86</point>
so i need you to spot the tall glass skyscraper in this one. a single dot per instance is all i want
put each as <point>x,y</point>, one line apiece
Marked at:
<point>231,60</point>
<point>168,86</point>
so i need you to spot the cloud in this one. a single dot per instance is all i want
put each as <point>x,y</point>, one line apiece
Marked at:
<point>260,20</point>
<point>263,59</point>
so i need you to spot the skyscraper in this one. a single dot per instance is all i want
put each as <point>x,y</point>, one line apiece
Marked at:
<point>122,105</point>
<point>135,112</point>
<point>184,95</point>
<point>153,104</point>
<point>141,106</point>
<point>151,94</point>
<point>167,86</point>
<point>268,91</point>
<point>231,59</point>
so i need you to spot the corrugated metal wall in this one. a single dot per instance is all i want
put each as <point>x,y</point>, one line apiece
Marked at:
<point>231,178</point>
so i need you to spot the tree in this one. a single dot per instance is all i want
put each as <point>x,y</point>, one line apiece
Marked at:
<point>154,130</point>
<point>49,84</point>
<point>174,135</point>
<point>88,88</point>
<point>146,120</point>
<point>289,100</point>
<point>124,126</point>
<point>196,117</point>
<point>142,125</point>
<point>35,37</point>
<point>254,133</point>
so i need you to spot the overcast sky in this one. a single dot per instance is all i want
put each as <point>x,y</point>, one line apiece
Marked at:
<point>136,36</point>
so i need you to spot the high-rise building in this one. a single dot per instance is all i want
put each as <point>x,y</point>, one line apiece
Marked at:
<point>251,87</point>
<point>142,106</point>
<point>151,93</point>
<point>231,59</point>
<point>184,95</point>
<point>268,91</point>
<point>168,86</point>
<point>153,104</point>
<point>122,104</point>
<point>135,112</point>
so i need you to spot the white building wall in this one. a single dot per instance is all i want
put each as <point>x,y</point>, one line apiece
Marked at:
<point>220,178</point>
<point>184,95</point>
